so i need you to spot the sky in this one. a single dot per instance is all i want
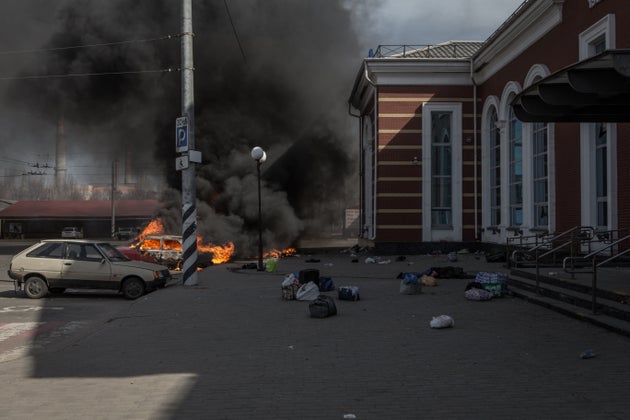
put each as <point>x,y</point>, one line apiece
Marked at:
<point>431,21</point>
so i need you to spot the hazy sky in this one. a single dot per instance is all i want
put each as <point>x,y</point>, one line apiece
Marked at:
<point>313,38</point>
<point>431,21</point>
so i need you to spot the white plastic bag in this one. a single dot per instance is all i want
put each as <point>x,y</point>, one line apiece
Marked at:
<point>307,291</point>
<point>289,279</point>
<point>442,321</point>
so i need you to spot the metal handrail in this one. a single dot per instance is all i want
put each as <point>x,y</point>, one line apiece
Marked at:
<point>585,233</point>
<point>523,242</point>
<point>593,257</point>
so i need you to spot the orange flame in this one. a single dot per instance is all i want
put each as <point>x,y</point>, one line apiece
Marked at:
<point>220,253</point>
<point>155,227</point>
<point>276,253</point>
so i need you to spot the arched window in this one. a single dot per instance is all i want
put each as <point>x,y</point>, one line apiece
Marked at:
<point>515,144</point>
<point>494,137</point>
<point>540,177</point>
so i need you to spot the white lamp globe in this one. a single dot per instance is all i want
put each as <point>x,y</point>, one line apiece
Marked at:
<point>258,154</point>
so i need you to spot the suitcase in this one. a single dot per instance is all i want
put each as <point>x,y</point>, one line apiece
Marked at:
<point>322,307</point>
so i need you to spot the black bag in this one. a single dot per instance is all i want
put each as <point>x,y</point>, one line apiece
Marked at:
<point>310,274</point>
<point>349,293</point>
<point>322,307</point>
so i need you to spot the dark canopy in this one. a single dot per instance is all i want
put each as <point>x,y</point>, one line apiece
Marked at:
<point>596,89</point>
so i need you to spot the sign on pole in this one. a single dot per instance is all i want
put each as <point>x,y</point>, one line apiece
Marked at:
<point>181,134</point>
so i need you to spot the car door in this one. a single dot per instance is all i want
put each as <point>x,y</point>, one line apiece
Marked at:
<point>84,267</point>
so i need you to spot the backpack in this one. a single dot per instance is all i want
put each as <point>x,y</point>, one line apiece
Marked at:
<point>326,284</point>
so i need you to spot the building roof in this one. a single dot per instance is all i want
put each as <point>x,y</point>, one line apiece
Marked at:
<point>445,50</point>
<point>80,209</point>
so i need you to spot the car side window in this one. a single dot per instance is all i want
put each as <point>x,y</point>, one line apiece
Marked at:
<point>171,244</point>
<point>73,251</point>
<point>49,250</point>
<point>90,253</point>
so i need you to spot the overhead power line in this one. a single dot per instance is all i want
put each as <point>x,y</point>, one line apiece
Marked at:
<point>90,74</point>
<point>102,44</point>
<point>69,75</point>
<point>238,40</point>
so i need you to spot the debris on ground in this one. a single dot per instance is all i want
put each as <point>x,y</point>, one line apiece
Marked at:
<point>442,321</point>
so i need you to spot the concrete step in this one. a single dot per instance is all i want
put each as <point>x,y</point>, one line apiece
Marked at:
<point>610,314</point>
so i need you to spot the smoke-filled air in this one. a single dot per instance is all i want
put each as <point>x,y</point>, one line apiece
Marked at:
<point>269,73</point>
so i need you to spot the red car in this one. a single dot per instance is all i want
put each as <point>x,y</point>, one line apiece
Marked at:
<point>134,254</point>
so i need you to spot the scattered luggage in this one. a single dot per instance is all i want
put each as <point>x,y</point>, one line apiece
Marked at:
<point>349,293</point>
<point>496,283</point>
<point>442,321</point>
<point>428,281</point>
<point>307,291</point>
<point>410,285</point>
<point>289,292</point>
<point>322,307</point>
<point>326,284</point>
<point>310,274</point>
<point>477,294</point>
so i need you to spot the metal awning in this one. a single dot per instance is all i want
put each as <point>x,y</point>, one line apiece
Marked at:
<point>593,90</point>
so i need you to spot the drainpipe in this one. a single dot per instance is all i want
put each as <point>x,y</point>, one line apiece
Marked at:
<point>476,209</point>
<point>362,140</point>
<point>361,166</point>
<point>371,82</point>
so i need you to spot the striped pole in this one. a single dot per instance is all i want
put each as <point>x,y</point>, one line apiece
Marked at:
<point>189,199</point>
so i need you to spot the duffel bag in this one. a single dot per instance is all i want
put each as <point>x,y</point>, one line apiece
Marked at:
<point>322,307</point>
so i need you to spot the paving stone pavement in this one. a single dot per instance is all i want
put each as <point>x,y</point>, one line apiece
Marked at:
<point>230,348</point>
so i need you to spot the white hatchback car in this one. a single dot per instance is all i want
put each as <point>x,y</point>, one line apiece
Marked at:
<point>56,265</point>
<point>72,232</point>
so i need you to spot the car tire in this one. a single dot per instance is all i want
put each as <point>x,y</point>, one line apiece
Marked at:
<point>35,287</point>
<point>133,288</point>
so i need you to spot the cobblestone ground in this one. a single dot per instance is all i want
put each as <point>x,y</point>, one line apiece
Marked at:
<point>230,348</point>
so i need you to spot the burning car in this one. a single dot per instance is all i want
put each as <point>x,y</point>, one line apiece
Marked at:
<point>167,250</point>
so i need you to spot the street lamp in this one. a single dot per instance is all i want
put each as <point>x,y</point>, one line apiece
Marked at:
<point>259,155</point>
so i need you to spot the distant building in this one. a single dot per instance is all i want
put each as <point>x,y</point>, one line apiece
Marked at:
<point>46,219</point>
<point>475,142</point>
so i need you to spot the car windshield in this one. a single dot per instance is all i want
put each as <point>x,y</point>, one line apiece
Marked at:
<point>112,253</point>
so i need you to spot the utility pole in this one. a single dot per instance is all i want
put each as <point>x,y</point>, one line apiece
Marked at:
<point>114,188</point>
<point>189,199</point>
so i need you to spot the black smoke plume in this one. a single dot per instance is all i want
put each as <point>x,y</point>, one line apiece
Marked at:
<point>284,88</point>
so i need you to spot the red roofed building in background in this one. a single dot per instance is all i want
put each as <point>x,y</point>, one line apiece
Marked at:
<point>42,219</point>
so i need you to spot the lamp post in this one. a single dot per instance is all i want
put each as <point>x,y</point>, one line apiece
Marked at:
<point>259,155</point>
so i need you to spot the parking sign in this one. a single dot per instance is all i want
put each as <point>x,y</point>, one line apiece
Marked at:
<point>181,134</point>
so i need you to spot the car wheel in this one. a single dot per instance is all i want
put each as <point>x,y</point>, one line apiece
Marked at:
<point>35,287</point>
<point>133,288</point>
<point>57,290</point>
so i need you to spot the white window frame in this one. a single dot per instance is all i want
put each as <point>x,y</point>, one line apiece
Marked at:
<point>536,72</point>
<point>493,234</point>
<point>509,91</point>
<point>455,232</point>
<point>604,28</point>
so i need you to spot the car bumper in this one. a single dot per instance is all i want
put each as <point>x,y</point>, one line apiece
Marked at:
<point>14,275</point>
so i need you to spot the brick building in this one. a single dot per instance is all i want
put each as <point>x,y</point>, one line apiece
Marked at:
<point>459,146</point>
